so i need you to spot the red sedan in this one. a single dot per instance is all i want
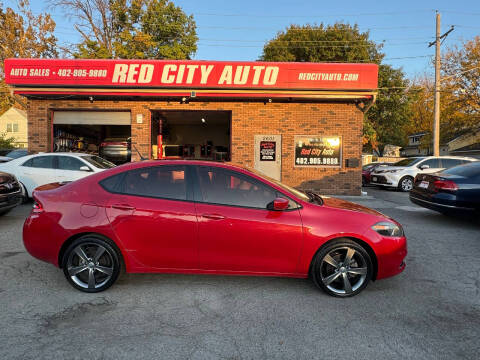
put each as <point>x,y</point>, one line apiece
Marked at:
<point>209,218</point>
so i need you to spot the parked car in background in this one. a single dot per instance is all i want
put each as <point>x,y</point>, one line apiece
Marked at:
<point>4,159</point>
<point>368,169</point>
<point>453,191</point>
<point>401,174</point>
<point>116,150</point>
<point>10,192</point>
<point>183,216</point>
<point>17,153</point>
<point>44,168</point>
<point>10,154</point>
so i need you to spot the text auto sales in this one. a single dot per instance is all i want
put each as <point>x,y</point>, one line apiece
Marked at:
<point>184,74</point>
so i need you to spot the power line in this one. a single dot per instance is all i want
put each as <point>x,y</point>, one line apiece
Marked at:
<point>300,47</point>
<point>396,13</point>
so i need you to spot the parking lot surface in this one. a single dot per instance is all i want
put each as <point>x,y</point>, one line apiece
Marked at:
<point>431,311</point>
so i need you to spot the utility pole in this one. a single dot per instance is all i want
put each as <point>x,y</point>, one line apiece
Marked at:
<point>436,110</point>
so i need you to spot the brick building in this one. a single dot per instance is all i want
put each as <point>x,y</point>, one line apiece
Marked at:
<point>298,122</point>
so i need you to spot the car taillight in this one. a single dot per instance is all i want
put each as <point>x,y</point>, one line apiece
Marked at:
<point>37,207</point>
<point>448,185</point>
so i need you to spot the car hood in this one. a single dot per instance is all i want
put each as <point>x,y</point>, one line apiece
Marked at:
<point>336,203</point>
<point>388,168</point>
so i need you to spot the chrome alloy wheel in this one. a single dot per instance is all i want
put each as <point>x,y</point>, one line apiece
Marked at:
<point>90,265</point>
<point>343,270</point>
<point>407,184</point>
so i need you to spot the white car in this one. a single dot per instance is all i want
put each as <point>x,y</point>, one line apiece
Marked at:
<point>33,171</point>
<point>401,174</point>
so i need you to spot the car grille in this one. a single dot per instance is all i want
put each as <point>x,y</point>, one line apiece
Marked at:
<point>380,179</point>
<point>10,187</point>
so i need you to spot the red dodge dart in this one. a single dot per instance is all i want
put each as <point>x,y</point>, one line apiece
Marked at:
<point>199,217</point>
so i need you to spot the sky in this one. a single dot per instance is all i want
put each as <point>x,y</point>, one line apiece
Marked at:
<point>237,30</point>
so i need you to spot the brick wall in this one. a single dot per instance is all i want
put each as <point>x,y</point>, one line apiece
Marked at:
<point>248,119</point>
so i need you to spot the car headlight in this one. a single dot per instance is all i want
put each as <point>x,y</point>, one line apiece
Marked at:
<point>392,171</point>
<point>386,228</point>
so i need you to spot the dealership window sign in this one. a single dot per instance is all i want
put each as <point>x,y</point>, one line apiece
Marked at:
<point>267,150</point>
<point>318,151</point>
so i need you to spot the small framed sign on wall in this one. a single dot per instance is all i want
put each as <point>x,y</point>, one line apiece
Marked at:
<point>318,151</point>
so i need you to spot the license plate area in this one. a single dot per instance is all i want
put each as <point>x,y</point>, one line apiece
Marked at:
<point>423,185</point>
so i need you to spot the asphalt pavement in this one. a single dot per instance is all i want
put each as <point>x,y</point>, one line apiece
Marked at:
<point>430,311</point>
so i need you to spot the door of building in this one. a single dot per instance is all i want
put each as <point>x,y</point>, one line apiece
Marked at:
<point>268,155</point>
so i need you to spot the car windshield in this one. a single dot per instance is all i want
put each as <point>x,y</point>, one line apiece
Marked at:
<point>467,170</point>
<point>368,166</point>
<point>407,162</point>
<point>98,162</point>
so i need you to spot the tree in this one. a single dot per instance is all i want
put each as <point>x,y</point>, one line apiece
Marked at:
<point>387,120</point>
<point>460,89</point>
<point>459,95</point>
<point>6,143</point>
<point>23,35</point>
<point>128,29</point>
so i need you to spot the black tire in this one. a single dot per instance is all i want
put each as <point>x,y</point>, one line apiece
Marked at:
<point>331,278</point>
<point>405,184</point>
<point>105,266</point>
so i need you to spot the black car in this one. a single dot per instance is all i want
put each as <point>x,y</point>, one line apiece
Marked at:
<point>10,193</point>
<point>452,191</point>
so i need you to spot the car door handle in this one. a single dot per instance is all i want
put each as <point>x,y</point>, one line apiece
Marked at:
<point>125,207</point>
<point>213,216</point>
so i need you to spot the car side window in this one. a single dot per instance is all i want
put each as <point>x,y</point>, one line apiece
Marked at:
<point>166,182</point>
<point>69,163</point>
<point>448,163</point>
<point>432,163</point>
<point>225,187</point>
<point>42,162</point>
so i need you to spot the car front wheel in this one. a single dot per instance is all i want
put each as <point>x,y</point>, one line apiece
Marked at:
<point>405,183</point>
<point>342,268</point>
<point>91,264</point>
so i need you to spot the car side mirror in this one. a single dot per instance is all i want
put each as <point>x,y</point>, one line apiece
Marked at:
<point>85,168</point>
<point>280,204</point>
<point>424,167</point>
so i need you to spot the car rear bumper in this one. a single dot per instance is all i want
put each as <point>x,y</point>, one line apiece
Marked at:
<point>43,237</point>
<point>444,206</point>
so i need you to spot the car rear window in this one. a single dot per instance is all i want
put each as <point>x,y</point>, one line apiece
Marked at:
<point>466,170</point>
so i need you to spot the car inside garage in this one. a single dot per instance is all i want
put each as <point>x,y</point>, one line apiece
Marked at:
<point>196,134</point>
<point>103,133</point>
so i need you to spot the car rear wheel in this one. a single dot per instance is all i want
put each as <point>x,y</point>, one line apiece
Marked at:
<point>405,183</point>
<point>342,268</point>
<point>91,264</point>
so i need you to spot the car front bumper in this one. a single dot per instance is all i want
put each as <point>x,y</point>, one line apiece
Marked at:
<point>385,179</point>
<point>9,201</point>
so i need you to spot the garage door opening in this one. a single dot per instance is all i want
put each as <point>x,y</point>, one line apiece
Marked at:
<point>106,134</point>
<point>201,135</point>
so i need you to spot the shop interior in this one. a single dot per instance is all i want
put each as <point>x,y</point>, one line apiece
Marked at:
<point>88,138</point>
<point>201,135</point>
